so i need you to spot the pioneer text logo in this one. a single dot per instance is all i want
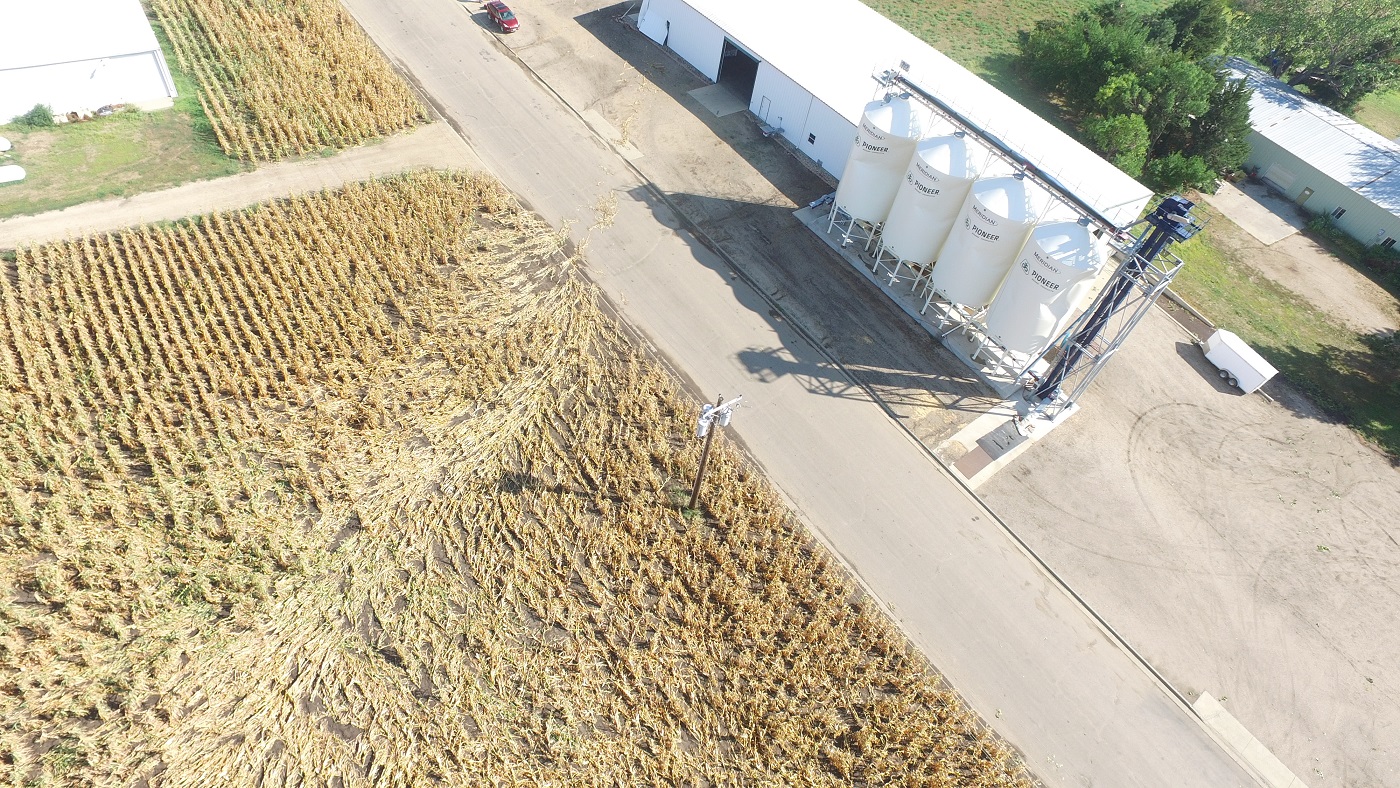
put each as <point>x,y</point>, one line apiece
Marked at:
<point>921,187</point>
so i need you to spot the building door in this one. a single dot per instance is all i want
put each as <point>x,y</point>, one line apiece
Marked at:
<point>738,70</point>
<point>1279,176</point>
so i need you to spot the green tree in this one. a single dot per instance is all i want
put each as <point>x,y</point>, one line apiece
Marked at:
<point>41,116</point>
<point>1175,171</point>
<point>1076,57</point>
<point>1141,91</point>
<point>1195,28</point>
<point>1122,95</point>
<point>1122,139</point>
<point>1341,51</point>
<point>1179,92</point>
<point>1220,136</point>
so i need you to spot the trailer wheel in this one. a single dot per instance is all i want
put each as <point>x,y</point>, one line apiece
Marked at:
<point>1224,374</point>
<point>1234,382</point>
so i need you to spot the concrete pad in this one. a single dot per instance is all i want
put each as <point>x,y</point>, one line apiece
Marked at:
<point>1252,751</point>
<point>719,99</point>
<point>995,439</point>
<point>611,133</point>
<point>1262,214</point>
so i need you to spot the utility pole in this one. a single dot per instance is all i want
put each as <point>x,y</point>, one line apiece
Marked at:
<point>720,412</point>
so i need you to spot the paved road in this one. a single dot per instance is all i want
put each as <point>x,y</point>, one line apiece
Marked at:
<point>1008,637</point>
<point>435,146</point>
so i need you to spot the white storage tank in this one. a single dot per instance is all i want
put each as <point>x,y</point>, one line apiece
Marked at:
<point>885,140</point>
<point>992,226</point>
<point>1052,278</point>
<point>926,206</point>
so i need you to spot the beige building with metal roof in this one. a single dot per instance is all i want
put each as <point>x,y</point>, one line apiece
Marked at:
<point>1323,160</point>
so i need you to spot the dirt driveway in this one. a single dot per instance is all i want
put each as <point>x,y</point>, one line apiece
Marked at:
<point>1296,261</point>
<point>1243,545</point>
<point>433,146</point>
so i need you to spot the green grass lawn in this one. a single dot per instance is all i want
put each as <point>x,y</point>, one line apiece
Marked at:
<point>1354,378</point>
<point>124,154</point>
<point>1381,111</point>
<point>127,153</point>
<point>982,36</point>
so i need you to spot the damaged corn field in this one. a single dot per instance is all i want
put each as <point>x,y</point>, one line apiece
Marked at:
<point>284,78</point>
<point>363,488</point>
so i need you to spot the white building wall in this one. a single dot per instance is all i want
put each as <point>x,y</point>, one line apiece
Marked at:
<point>1318,192</point>
<point>835,135</point>
<point>676,25</point>
<point>85,85</point>
<point>811,126</point>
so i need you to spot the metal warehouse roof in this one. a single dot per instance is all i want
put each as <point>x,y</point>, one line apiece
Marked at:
<point>832,47</point>
<point>45,32</point>
<point>1325,139</point>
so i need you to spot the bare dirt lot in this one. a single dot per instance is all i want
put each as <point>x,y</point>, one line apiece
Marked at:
<point>1242,544</point>
<point>1245,546</point>
<point>1300,264</point>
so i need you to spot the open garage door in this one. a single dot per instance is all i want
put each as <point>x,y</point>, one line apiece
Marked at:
<point>737,71</point>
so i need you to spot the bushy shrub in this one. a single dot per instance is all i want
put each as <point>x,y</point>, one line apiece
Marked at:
<point>1174,172</point>
<point>1323,225</point>
<point>37,118</point>
<point>1383,259</point>
<point>1122,139</point>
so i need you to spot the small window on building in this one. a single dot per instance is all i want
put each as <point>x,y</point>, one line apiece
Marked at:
<point>811,139</point>
<point>1388,243</point>
<point>1337,214</point>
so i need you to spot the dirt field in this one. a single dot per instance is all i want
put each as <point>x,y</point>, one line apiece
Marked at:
<point>1246,547</point>
<point>1300,264</point>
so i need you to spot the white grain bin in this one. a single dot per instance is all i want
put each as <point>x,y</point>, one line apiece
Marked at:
<point>885,140</point>
<point>1052,278</point>
<point>11,173</point>
<point>1238,363</point>
<point>926,206</point>
<point>993,224</point>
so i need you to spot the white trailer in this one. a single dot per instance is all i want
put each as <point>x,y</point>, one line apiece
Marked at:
<point>1238,363</point>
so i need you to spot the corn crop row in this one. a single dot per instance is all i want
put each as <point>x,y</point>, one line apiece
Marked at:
<point>284,78</point>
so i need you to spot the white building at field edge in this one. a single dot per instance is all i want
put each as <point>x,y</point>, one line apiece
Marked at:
<point>1322,159</point>
<point>79,56</point>
<point>807,68</point>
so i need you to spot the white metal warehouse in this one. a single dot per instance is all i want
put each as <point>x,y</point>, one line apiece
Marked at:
<point>78,56</point>
<point>1323,160</point>
<point>807,67</point>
